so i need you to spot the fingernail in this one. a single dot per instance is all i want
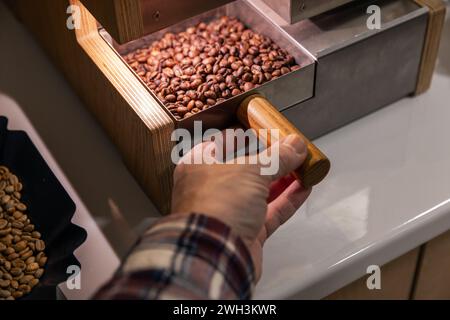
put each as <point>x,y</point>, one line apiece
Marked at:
<point>296,143</point>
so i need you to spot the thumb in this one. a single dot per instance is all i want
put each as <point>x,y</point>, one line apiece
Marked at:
<point>292,153</point>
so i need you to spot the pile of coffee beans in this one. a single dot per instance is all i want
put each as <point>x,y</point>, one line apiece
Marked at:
<point>22,257</point>
<point>208,63</point>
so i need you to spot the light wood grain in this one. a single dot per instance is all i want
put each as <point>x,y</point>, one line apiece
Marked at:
<point>122,18</point>
<point>136,123</point>
<point>435,25</point>
<point>397,279</point>
<point>256,112</point>
<point>433,281</point>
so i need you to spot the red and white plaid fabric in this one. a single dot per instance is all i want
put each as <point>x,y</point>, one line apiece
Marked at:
<point>185,257</point>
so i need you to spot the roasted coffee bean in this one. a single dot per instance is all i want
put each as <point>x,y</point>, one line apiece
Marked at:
<point>5,283</point>
<point>21,245</point>
<point>16,215</point>
<point>36,234</point>
<point>31,267</point>
<point>181,111</point>
<point>9,189</point>
<point>40,255</point>
<point>3,223</point>
<point>30,260</point>
<point>4,293</point>
<point>192,94</point>
<point>248,86</point>
<point>199,104</point>
<point>25,288</point>
<point>21,265</point>
<point>224,54</point>
<point>17,225</point>
<point>29,228</point>
<point>21,207</point>
<point>276,73</point>
<point>5,199</point>
<point>7,276</point>
<point>285,70</point>
<point>26,278</point>
<point>39,272</point>
<point>33,282</point>
<point>235,92</point>
<point>15,272</point>
<point>16,232</point>
<point>13,256</point>
<point>196,83</point>
<point>171,98</point>
<point>14,284</point>
<point>210,94</point>
<point>27,254</point>
<point>190,105</point>
<point>247,77</point>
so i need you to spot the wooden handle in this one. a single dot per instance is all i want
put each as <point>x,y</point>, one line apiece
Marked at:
<point>256,112</point>
<point>435,25</point>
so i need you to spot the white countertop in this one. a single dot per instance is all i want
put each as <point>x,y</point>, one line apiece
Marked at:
<point>388,192</point>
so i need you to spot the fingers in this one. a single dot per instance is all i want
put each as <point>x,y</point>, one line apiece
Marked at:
<point>283,208</point>
<point>199,153</point>
<point>292,153</point>
<point>278,187</point>
<point>215,146</point>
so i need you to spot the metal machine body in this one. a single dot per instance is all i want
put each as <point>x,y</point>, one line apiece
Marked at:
<point>159,14</point>
<point>348,70</point>
<point>358,70</point>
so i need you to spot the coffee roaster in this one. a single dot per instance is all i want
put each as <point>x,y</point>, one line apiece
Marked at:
<point>352,60</point>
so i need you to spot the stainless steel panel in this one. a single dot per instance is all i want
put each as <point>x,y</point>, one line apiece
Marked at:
<point>284,92</point>
<point>365,74</point>
<point>344,26</point>
<point>296,10</point>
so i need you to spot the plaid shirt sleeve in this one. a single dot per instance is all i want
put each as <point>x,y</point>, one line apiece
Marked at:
<point>185,257</point>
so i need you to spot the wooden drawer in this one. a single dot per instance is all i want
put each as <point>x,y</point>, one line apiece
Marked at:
<point>422,273</point>
<point>396,281</point>
<point>128,20</point>
<point>433,277</point>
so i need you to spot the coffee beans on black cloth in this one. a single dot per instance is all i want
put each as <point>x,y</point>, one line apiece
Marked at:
<point>208,63</point>
<point>22,257</point>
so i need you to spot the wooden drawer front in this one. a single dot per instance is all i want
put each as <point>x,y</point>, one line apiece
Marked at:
<point>433,281</point>
<point>397,279</point>
<point>122,18</point>
<point>127,20</point>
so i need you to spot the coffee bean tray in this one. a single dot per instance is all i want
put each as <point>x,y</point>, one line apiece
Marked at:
<point>201,68</point>
<point>49,207</point>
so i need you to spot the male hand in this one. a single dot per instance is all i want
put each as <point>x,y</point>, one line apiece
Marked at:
<point>254,206</point>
